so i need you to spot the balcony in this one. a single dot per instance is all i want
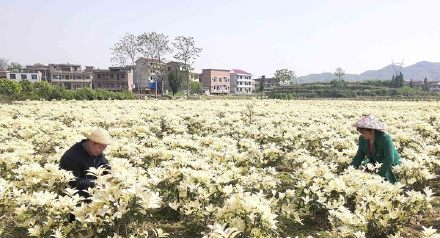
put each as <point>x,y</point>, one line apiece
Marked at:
<point>56,80</point>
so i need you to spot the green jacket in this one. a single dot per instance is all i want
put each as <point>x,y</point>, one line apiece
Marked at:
<point>385,153</point>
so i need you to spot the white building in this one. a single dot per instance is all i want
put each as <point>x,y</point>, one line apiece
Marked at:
<point>241,82</point>
<point>23,75</point>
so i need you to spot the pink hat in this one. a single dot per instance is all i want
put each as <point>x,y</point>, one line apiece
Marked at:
<point>370,122</point>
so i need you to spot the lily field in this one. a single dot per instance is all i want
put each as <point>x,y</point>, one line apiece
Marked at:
<point>219,168</point>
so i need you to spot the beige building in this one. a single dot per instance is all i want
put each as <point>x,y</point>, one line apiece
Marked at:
<point>177,69</point>
<point>216,81</point>
<point>3,74</point>
<point>145,73</point>
<point>43,69</point>
<point>148,71</point>
<point>71,76</point>
<point>113,79</point>
<point>269,83</point>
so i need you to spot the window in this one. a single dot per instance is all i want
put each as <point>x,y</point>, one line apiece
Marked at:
<point>34,76</point>
<point>99,76</point>
<point>111,76</point>
<point>23,76</point>
<point>122,76</point>
<point>12,76</point>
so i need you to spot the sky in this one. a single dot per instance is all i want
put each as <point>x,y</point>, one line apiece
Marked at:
<point>259,37</point>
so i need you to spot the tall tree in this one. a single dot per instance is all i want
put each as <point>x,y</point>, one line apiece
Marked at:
<point>4,63</point>
<point>126,50</point>
<point>261,86</point>
<point>285,76</point>
<point>425,84</point>
<point>187,52</point>
<point>175,82</point>
<point>397,80</point>
<point>339,72</point>
<point>155,46</point>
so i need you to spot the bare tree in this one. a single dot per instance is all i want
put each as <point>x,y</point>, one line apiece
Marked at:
<point>155,46</point>
<point>4,63</point>
<point>339,72</point>
<point>126,50</point>
<point>186,54</point>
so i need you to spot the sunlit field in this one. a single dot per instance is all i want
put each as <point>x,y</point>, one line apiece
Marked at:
<point>219,168</point>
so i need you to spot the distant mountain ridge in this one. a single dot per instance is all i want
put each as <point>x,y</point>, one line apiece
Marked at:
<point>416,72</point>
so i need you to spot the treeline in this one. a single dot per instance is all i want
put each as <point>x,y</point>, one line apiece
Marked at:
<point>344,89</point>
<point>24,90</point>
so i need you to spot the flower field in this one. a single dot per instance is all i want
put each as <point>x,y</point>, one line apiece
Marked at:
<point>218,168</point>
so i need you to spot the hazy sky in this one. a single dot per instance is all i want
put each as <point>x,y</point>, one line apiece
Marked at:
<point>257,36</point>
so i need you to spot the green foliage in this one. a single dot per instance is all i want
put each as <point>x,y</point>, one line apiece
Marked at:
<point>397,81</point>
<point>407,91</point>
<point>27,90</point>
<point>284,75</point>
<point>338,83</point>
<point>10,89</point>
<point>175,83</point>
<point>24,90</point>
<point>84,94</point>
<point>261,85</point>
<point>196,87</point>
<point>344,89</point>
<point>15,65</point>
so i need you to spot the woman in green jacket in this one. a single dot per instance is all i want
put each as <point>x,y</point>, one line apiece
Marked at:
<point>376,146</point>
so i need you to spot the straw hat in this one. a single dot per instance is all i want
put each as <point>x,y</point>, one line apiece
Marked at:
<point>99,135</point>
<point>370,122</point>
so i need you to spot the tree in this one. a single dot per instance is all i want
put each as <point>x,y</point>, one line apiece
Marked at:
<point>261,86</point>
<point>339,72</point>
<point>425,84</point>
<point>397,81</point>
<point>125,50</point>
<point>10,88</point>
<point>4,63</point>
<point>155,46</point>
<point>15,65</point>
<point>175,83</point>
<point>196,87</point>
<point>285,76</point>
<point>187,52</point>
<point>338,84</point>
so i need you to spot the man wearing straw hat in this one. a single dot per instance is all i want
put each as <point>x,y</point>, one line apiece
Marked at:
<point>376,146</point>
<point>86,154</point>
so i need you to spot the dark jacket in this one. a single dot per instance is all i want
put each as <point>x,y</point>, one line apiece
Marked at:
<point>77,160</point>
<point>384,152</point>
